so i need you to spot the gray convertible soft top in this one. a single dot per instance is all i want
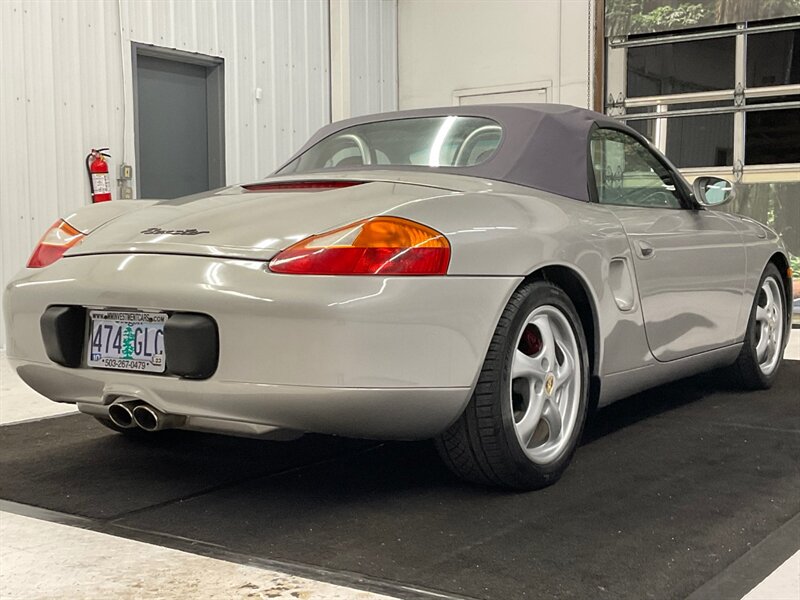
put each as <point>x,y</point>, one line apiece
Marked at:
<point>544,146</point>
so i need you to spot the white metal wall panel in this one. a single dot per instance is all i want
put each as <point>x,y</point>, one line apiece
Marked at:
<point>66,86</point>
<point>15,210</point>
<point>446,47</point>
<point>373,56</point>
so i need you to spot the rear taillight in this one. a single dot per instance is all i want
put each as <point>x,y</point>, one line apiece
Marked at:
<point>59,238</point>
<point>377,246</point>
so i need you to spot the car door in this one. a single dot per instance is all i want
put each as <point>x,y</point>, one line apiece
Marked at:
<point>689,262</point>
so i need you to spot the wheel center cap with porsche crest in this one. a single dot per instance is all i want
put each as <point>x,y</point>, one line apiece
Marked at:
<point>549,383</point>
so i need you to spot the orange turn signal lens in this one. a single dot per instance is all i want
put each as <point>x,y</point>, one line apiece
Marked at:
<point>376,246</point>
<point>59,238</point>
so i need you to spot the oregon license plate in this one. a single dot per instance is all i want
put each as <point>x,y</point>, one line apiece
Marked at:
<point>129,340</point>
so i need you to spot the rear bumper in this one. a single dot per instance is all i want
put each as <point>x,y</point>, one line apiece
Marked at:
<point>392,357</point>
<point>229,407</point>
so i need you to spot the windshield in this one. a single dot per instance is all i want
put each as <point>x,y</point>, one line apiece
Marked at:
<point>424,141</point>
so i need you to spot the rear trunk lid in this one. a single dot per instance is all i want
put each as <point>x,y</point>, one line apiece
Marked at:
<point>251,224</point>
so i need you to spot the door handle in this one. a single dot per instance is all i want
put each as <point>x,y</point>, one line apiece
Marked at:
<point>646,250</point>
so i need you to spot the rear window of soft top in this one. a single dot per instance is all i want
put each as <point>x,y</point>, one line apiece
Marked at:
<point>446,141</point>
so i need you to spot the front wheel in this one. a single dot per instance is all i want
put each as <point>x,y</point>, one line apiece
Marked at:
<point>525,418</point>
<point>760,358</point>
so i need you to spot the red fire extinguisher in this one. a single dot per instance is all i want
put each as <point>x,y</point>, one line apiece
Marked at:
<point>99,181</point>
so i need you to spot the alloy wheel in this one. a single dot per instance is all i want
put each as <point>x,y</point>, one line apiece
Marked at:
<point>769,325</point>
<point>546,373</point>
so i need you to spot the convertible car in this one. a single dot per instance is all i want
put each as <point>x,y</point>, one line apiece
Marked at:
<point>483,275</point>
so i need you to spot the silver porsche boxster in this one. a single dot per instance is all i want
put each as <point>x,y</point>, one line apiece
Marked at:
<point>481,275</point>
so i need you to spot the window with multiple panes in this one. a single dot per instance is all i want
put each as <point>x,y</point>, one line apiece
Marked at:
<point>722,101</point>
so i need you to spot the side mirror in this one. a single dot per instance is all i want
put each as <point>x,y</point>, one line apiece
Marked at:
<point>713,191</point>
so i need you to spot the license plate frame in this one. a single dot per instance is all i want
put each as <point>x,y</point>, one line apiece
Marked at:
<point>126,340</point>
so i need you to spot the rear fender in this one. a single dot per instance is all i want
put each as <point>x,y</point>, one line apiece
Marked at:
<point>520,234</point>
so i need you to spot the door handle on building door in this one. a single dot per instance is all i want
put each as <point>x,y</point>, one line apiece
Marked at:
<point>646,250</point>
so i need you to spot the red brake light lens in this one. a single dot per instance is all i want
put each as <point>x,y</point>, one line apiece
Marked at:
<point>300,186</point>
<point>377,246</point>
<point>59,238</point>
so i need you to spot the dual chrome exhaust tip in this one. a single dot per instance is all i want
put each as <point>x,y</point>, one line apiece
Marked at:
<point>135,413</point>
<point>121,414</point>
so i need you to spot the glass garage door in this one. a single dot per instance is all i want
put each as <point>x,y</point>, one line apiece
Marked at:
<point>722,101</point>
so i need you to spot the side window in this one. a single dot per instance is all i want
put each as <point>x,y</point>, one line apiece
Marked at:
<point>628,174</point>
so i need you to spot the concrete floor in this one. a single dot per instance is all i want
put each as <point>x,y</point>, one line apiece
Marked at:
<point>41,559</point>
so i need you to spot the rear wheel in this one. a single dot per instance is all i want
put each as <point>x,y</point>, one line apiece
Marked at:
<point>524,420</point>
<point>762,351</point>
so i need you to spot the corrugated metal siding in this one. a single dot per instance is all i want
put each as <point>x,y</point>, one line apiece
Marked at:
<point>66,86</point>
<point>278,46</point>
<point>373,56</point>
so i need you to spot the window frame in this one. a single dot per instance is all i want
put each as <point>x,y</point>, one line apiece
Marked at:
<point>667,107</point>
<point>684,191</point>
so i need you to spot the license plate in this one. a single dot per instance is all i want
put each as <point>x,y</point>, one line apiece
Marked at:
<point>128,340</point>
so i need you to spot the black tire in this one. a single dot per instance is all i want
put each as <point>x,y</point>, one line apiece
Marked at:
<point>746,371</point>
<point>482,445</point>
